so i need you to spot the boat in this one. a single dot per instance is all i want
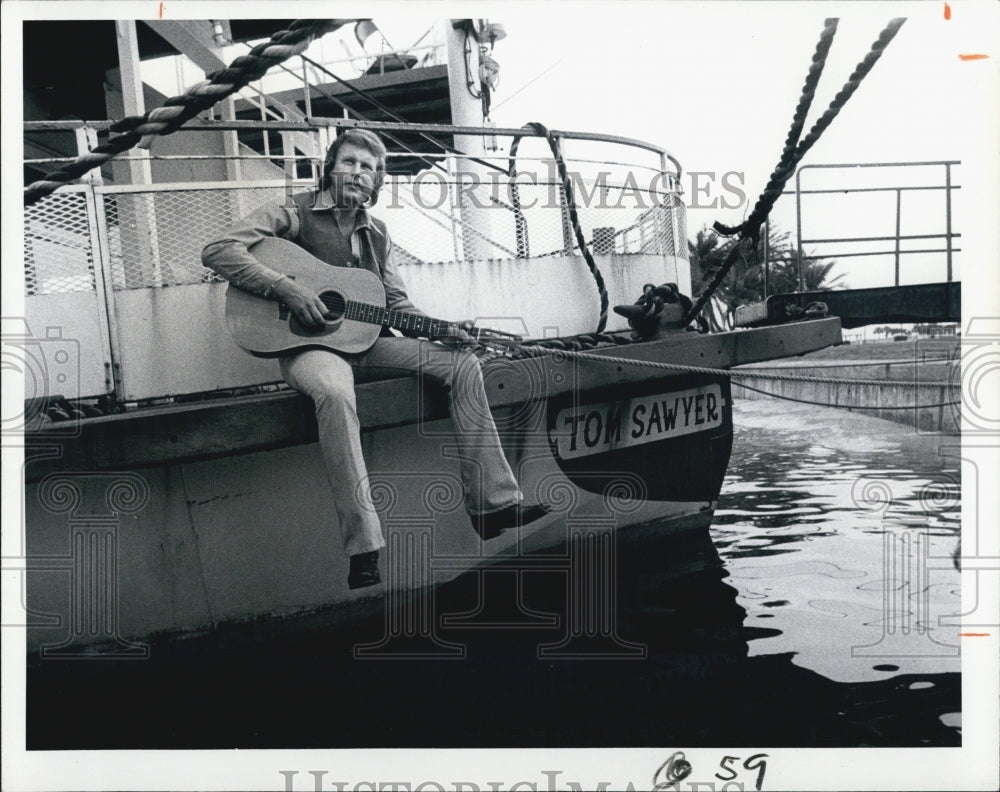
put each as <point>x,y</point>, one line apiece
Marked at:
<point>173,485</point>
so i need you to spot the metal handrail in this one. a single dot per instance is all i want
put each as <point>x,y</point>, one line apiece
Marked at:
<point>949,235</point>
<point>314,123</point>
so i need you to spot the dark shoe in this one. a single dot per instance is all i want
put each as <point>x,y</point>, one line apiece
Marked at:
<point>492,524</point>
<point>364,570</point>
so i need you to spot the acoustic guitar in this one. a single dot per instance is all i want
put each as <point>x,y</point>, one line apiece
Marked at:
<point>355,309</point>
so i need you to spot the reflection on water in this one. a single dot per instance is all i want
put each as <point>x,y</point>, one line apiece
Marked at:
<point>838,531</point>
<point>808,617</point>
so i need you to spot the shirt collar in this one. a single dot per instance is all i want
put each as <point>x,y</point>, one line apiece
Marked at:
<point>324,203</point>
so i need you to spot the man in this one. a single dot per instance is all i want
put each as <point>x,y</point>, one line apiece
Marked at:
<point>333,225</point>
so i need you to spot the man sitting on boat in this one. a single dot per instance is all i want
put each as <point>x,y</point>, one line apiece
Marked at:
<point>333,224</point>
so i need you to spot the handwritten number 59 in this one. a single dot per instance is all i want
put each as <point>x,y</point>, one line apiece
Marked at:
<point>756,762</point>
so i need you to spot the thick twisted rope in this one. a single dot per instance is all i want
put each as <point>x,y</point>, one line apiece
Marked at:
<point>720,273</point>
<point>520,223</point>
<point>140,130</point>
<point>788,159</point>
<point>794,150</point>
<point>574,217</point>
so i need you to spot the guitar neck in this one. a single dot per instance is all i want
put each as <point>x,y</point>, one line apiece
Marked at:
<point>425,326</point>
<point>398,320</point>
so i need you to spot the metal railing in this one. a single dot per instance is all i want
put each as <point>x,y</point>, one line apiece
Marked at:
<point>618,215</point>
<point>897,238</point>
<point>117,266</point>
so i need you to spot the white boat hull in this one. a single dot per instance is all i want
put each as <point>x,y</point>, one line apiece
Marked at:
<point>120,558</point>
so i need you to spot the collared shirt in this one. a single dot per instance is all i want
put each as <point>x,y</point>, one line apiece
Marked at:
<point>229,255</point>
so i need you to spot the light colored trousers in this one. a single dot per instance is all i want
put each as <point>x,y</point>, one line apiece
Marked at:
<point>328,379</point>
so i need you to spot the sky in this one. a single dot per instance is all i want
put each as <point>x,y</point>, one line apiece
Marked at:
<point>716,84</point>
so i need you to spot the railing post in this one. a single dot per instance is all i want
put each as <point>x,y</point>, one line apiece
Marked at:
<point>947,214</point>
<point>453,209</point>
<point>306,93</point>
<point>104,280</point>
<point>798,224</point>
<point>767,252</point>
<point>261,103</point>
<point>288,155</point>
<point>137,217</point>
<point>134,162</point>
<point>86,141</point>
<point>899,203</point>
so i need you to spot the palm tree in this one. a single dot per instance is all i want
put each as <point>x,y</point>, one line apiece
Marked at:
<point>705,255</point>
<point>744,283</point>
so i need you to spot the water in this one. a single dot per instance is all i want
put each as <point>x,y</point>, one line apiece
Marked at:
<point>839,530</point>
<point>809,617</point>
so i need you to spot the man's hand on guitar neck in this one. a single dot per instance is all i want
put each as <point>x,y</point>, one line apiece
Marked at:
<point>304,303</point>
<point>456,335</point>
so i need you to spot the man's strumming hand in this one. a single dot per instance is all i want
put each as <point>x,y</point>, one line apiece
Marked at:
<point>304,303</point>
<point>456,335</point>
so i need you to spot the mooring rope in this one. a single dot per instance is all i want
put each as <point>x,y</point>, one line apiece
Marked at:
<point>140,130</point>
<point>833,364</point>
<point>520,223</point>
<point>782,397</point>
<point>581,241</point>
<point>794,150</point>
<point>537,350</point>
<point>534,350</point>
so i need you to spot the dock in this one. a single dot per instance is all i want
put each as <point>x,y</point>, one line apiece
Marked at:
<point>921,381</point>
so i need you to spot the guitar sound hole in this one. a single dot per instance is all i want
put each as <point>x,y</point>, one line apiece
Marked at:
<point>334,302</point>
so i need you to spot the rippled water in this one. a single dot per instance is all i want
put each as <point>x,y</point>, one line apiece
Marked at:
<point>838,530</point>
<point>815,613</point>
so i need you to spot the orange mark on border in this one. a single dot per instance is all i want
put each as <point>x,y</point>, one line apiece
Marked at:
<point>973,56</point>
<point>947,11</point>
<point>161,11</point>
<point>974,635</point>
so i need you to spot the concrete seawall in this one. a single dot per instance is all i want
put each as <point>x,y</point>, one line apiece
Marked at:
<point>933,406</point>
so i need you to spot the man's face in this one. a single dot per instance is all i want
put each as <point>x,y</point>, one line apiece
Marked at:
<point>352,179</point>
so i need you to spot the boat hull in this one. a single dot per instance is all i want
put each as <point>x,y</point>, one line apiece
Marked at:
<point>121,558</point>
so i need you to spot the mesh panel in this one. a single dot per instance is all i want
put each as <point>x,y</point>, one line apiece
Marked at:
<point>439,217</point>
<point>630,221</point>
<point>155,238</point>
<point>682,228</point>
<point>58,254</point>
<point>464,210</point>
